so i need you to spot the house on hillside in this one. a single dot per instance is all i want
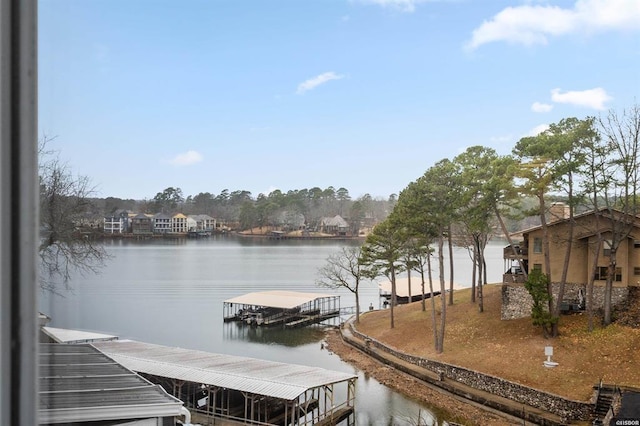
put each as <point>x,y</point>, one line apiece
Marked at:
<point>528,255</point>
<point>334,225</point>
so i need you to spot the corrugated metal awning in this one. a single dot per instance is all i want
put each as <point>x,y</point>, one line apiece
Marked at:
<point>278,298</point>
<point>80,385</point>
<point>266,378</point>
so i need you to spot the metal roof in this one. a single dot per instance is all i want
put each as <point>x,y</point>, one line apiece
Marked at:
<point>267,378</point>
<point>278,298</point>
<point>77,383</point>
<point>402,286</point>
<point>63,335</point>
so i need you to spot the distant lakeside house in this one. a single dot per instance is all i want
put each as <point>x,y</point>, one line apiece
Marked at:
<point>124,222</point>
<point>528,255</point>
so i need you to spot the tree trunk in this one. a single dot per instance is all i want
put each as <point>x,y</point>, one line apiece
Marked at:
<point>545,249</point>
<point>443,313</point>
<point>357,295</point>
<point>473,275</point>
<point>608,288</point>
<point>409,284</point>
<point>594,267</point>
<point>450,241</point>
<point>424,306</point>
<point>433,306</point>
<point>480,289</point>
<point>393,293</point>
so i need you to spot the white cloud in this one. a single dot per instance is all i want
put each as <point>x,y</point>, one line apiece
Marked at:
<point>187,158</point>
<point>314,82</point>
<point>537,130</point>
<point>591,98</point>
<point>534,24</point>
<point>403,5</point>
<point>540,107</point>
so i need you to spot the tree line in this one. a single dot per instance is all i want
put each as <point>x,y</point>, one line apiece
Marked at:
<point>277,208</point>
<point>590,163</point>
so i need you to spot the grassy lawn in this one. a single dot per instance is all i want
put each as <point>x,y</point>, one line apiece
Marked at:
<point>514,349</point>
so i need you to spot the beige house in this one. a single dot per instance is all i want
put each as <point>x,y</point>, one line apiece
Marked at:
<point>529,255</point>
<point>179,224</point>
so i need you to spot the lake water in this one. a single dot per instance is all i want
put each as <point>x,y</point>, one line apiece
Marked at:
<point>171,292</point>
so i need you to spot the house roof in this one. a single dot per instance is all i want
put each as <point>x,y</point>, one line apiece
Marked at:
<point>337,221</point>
<point>200,217</point>
<point>602,211</point>
<point>267,378</point>
<point>78,383</point>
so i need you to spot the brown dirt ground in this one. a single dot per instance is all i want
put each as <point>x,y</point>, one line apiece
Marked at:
<point>413,388</point>
<point>514,349</point>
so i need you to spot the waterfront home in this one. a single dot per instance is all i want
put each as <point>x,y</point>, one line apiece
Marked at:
<point>334,225</point>
<point>179,223</point>
<point>142,224</point>
<point>116,223</point>
<point>161,223</point>
<point>528,255</point>
<point>200,222</point>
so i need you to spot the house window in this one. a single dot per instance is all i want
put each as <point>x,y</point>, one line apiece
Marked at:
<point>607,248</point>
<point>537,266</point>
<point>537,245</point>
<point>636,244</point>
<point>636,270</point>
<point>602,271</point>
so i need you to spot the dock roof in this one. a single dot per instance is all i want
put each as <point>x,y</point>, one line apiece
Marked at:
<point>266,378</point>
<point>277,298</point>
<point>77,383</point>
<point>63,335</point>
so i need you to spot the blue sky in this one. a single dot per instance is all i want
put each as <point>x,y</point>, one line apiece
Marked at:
<point>207,95</point>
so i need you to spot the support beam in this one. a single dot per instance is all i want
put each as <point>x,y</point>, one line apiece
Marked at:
<point>19,210</point>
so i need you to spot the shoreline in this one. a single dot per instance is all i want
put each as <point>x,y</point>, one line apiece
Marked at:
<point>444,404</point>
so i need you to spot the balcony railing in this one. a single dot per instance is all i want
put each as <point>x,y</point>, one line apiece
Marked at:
<point>522,252</point>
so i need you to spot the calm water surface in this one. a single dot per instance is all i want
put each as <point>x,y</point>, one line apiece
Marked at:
<point>171,292</point>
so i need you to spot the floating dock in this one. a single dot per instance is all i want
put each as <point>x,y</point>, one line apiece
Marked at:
<point>288,309</point>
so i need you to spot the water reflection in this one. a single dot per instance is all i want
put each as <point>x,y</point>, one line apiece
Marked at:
<point>274,336</point>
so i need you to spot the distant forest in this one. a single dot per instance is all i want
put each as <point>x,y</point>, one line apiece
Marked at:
<point>244,211</point>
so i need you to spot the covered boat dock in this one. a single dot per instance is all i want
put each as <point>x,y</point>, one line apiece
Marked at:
<point>224,389</point>
<point>285,308</point>
<point>406,293</point>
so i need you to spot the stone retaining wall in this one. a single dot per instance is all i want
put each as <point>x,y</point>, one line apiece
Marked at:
<point>565,408</point>
<point>517,302</point>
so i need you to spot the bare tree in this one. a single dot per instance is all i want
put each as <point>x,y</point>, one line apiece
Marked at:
<point>65,245</point>
<point>342,270</point>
